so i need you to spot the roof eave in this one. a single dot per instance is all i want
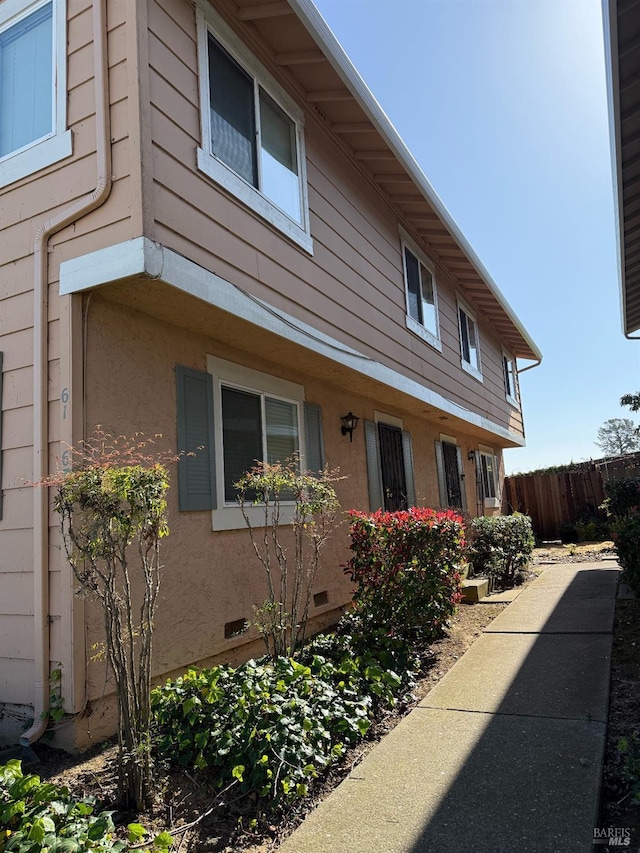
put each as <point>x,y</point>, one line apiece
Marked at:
<point>342,65</point>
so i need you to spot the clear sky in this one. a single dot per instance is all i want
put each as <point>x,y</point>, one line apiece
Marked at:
<point>503,105</point>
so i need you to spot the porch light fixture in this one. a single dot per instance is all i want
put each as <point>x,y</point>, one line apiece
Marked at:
<point>471,455</point>
<point>349,423</point>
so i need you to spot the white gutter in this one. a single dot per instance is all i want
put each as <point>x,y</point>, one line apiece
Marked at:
<point>610,33</point>
<point>342,65</point>
<point>41,372</point>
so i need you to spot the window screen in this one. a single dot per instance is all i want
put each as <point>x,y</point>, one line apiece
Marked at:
<point>233,130</point>
<point>413,285</point>
<point>282,429</point>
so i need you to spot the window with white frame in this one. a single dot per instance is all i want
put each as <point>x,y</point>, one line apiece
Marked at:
<point>33,93</point>
<point>229,418</point>
<point>510,373</point>
<point>488,473</point>
<point>259,418</point>
<point>252,131</point>
<point>420,293</point>
<point>255,426</point>
<point>469,342</point>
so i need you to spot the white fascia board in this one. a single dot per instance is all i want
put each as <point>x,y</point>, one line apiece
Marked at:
<point>143,257</point>
<point>342,65</point>
<point>610,33</point>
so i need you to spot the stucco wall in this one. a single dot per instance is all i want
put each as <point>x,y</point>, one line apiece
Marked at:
<point>211,578</point>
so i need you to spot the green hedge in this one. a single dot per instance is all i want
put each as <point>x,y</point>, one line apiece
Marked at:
<point>406,569</point>
<point>500,545</point>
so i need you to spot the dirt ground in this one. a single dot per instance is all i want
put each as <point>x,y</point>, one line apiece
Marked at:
<point>201,822</point>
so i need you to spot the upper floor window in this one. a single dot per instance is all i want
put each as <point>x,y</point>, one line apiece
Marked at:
<point>420,292</point>
<point>510,373</point>
<point>469,343</point>
<point>252,132</point>
<point>33,131</point>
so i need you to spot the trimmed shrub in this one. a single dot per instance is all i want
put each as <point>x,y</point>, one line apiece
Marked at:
<point>627,539</point>
<point>406,568</point>
<point>500,545</point>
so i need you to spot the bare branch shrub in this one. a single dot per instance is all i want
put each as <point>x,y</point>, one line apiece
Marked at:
<point>307,504</point>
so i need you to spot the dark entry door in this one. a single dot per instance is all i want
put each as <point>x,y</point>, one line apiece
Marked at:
<point>394,483</point>
<point>452,474</point>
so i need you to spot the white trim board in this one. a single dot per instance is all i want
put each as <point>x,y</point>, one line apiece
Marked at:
<point>142,256</point>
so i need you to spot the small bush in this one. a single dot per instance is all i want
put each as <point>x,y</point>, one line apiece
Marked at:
<point>500,545</point>
<point>593,529</point>
<point>627,539</point>
<point>406,567</point>
<point>568,532</point>
<point>623,497</point>
<point>265,728</point>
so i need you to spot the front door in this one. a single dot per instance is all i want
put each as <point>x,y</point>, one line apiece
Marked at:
<point>452,474</point>
<point>394,483</point>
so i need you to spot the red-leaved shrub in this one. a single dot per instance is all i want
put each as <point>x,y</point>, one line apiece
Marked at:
<point>406,568</point>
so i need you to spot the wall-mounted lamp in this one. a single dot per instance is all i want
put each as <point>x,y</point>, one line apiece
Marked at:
<point>349,423</point>
<point>471,455</point>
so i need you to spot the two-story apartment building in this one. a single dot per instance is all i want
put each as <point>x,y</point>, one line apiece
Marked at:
<point>211,231</point>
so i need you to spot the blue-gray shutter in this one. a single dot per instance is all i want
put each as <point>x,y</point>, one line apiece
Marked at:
<point>0,436</point>
<point>374,471</point>
<point>314,436</point>
<point>407,454</point>
<point>463,488</point>
<point>196,474</point>
<point>442,480</point>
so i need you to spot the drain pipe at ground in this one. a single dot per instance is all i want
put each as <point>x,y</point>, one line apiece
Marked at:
<point>41,371</point>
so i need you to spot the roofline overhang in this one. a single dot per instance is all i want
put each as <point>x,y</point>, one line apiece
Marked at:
<point>144,258</point>
<point>342,65</point>
<point>611,56</point>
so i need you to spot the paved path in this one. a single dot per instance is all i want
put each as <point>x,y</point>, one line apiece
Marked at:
<point>504,755</point>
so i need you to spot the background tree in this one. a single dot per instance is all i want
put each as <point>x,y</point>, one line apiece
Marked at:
<point>632,401</point>
<point>618,436</point>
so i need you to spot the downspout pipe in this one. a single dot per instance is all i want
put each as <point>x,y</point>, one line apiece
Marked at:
<point>65,217</point>
<point>536,363</point>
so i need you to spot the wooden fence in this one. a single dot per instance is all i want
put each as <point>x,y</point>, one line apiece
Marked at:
<point>554,499</point>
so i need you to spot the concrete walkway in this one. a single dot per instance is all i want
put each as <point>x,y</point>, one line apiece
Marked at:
<point>504,755</point>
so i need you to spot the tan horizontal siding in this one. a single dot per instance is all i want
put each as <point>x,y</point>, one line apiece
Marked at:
<point>16,554</point>
<point>17,467</point>
<point>353,286</point>
<point>16,593</point>
<point>16,681</point>
<point>17,427</point>
<point>16,637</point>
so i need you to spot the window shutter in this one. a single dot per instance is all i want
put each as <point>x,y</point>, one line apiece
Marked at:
<point>196,474</point>
<point>373,466</point>
<point>407,453</point>
<point>1,493</point>
<point>314,436</point>
<point>463,490</point>
<point>442,480</point>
